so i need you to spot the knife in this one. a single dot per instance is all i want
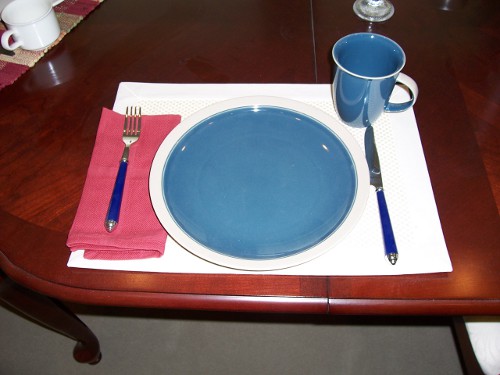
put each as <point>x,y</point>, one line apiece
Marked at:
<point>391,250</point>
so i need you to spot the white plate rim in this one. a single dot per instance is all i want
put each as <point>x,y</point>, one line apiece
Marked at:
<point>184,240</point>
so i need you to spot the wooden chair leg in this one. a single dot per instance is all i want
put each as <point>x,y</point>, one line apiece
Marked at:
<point>54,315</point>
<point>467,357</point>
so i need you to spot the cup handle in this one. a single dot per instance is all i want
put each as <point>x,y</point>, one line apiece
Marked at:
<point>5,41</point>
<point>412,87</point>
<point>56,2</point>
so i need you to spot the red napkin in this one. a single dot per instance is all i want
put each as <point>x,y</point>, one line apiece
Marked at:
<point>138,234</point>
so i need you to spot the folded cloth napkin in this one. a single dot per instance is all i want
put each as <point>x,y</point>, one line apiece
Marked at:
<point>138,234</point>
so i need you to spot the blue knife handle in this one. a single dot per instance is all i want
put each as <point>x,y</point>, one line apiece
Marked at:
<point>391,250</point>
<point>116,198</point>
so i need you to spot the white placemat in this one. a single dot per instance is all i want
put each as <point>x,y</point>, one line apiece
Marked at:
<point>408,190</point>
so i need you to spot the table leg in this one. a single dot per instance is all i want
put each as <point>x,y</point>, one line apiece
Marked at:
<point>54,315</point>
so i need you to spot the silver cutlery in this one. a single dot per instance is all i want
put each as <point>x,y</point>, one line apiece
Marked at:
<point>131,133</point>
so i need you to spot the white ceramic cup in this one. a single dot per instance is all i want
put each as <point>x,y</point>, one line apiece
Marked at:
<point>32,24</point>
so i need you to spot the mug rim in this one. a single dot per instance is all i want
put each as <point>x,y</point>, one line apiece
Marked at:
<point>35,20</point>
<point>349,36</point>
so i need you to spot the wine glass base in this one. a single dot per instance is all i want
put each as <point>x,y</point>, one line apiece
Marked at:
<point>373,10</point>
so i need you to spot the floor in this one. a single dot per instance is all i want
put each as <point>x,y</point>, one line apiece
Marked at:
<point>157,342</point>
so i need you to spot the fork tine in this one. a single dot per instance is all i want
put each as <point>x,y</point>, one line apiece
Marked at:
<point>138,128</point>
<point>131,122</point>
<point>125,123</point>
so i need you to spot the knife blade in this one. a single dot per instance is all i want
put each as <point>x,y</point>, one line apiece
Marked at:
<point>391,250</point>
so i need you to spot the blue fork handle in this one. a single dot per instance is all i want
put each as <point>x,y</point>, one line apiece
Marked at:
<point>391,250</point>
<point>116,198</point>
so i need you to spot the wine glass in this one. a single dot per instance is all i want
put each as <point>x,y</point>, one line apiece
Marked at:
<point>373,10</point>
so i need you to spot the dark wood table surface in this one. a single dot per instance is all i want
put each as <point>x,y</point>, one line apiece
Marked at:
<point>49,119</point>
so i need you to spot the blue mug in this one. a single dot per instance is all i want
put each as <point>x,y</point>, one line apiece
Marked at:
<point>368,66</point>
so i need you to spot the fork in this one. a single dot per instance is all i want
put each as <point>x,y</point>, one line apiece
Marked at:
<point>131,133</point>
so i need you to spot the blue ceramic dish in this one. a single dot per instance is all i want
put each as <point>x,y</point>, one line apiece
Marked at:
<point>256,186</point>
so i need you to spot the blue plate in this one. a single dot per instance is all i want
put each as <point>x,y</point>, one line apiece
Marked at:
<point>257,186</point>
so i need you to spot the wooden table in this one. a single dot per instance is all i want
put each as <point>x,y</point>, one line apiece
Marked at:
<point>50,115</point>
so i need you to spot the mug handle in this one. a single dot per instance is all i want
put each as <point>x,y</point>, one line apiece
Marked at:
<point>412,88</point>
<point>5,41</point>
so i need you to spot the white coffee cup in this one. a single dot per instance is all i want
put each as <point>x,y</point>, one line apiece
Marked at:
<point>31,23</point>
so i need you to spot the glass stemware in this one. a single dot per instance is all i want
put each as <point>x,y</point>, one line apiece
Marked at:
<point>373,10</point>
